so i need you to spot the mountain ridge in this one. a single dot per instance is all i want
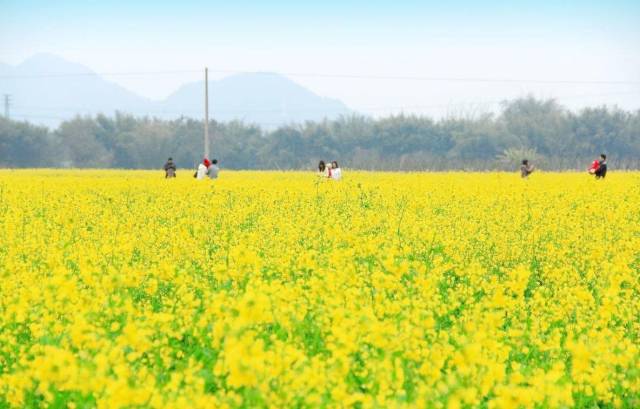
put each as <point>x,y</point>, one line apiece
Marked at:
<point>48,89</point>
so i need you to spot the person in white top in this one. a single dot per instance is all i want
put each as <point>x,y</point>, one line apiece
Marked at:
<point>336,173</point>
<point>202,169</point>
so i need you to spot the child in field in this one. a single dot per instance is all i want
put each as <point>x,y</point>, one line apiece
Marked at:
<point>526,169</point>
<point>594,167</point>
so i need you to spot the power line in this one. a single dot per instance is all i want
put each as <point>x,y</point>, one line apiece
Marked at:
<point>301,110</point>
<point>324,75</point>
<point>96,74</point>
<point>441,79</point>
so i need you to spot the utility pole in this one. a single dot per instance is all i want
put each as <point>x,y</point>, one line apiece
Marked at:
<point>7,103</point>
<point>206,112</point>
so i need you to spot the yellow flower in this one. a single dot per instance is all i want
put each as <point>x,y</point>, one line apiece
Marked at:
<point>388,290</point>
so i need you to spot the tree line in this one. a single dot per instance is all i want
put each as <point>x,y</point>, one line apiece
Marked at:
<point>543,131</point>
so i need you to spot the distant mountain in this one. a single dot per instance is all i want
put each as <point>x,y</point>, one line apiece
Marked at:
<point>264,98</point>
<point>47,89</point>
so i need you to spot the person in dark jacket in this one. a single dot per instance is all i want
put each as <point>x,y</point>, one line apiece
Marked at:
<point>601,172</point>
<point>169,169</point>
<point>526,169</point>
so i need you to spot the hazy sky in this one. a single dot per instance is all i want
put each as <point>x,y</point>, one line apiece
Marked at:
<point>536,40</point>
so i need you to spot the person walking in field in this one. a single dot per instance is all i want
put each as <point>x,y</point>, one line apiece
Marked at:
<point>335,172</point>
<point>201,172</point>
<point>526,169</point>
<point>601,172</point>
<point>213,169</point>
<point>169,169</point>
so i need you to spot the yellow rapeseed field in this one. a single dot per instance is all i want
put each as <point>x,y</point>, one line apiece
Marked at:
<point>274,289</point>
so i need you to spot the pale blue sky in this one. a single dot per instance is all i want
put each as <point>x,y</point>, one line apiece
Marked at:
<point>545,40</point>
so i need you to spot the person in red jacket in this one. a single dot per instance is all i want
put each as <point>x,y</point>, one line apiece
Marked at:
<point>594,167</point>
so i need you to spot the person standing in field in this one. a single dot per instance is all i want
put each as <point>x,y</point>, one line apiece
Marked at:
<point>526,169</point>
<point>336,172</point>
<point>213,169</point>
<point>323,171</point>
<point>601,172</point>
<point>169,169</point>
<point>201,172</point>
